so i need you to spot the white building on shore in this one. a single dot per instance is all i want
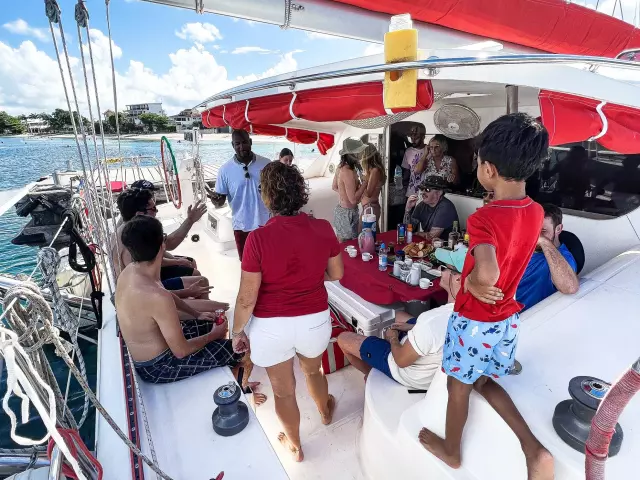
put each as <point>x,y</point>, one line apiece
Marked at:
<point>134,111</point>
<point>36,125</point>
<point>186,119</point>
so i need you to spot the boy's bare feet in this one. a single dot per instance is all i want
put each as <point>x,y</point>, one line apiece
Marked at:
<point>328,418</point>
<point>434,444</point>
<point>296,452</point>
<point>540,465</point>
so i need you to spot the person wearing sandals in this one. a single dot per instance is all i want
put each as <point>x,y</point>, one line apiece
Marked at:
<point>282,310</point>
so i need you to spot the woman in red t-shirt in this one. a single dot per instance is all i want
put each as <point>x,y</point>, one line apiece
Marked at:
<point>282,303</point>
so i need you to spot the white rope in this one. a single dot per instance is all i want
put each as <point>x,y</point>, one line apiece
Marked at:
<point>605,122</point>
<point>246,112</point>
<point>293,99</point>
<point>19,384</point>
<point>40,309</point>
<point>224,110</point>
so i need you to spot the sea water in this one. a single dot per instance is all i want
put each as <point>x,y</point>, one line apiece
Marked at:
<point>26,159</point>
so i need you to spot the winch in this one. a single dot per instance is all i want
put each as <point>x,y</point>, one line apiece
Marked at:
<point>572,417</point>
<point>232,415</point>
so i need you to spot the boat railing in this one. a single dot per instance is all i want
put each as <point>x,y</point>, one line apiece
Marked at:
<point>431,65</point>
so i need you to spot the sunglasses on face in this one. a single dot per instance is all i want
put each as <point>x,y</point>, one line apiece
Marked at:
<point>246,171</point>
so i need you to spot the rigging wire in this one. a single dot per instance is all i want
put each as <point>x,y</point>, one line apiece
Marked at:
<point>95,207</point>
<point>113,78</point>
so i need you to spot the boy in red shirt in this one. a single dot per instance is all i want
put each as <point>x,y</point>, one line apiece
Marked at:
<point>483,330</point>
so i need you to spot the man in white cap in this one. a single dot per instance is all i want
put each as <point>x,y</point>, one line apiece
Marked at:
<point>350,189</point>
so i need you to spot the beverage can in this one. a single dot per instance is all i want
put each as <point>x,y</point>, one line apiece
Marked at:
<point>402,231</point>
<point>220,317</point>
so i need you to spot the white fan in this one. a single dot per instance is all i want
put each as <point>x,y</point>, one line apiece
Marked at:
<point>457,121</point>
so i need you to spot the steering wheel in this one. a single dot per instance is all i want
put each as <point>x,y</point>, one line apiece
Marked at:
<point>170,173</point>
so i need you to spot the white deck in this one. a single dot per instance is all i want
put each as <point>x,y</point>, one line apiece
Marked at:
<point>180,414</point>
<point>330,451</point>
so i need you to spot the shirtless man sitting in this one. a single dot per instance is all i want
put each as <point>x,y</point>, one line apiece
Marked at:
<point>411,353</point>
<point>346,182</point>
<point>163,348</point>
<point>133,203</point>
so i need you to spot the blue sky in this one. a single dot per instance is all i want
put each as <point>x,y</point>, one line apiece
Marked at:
<point>158,49</point>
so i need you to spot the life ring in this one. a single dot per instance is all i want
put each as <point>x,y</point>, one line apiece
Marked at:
<point>171,173</point>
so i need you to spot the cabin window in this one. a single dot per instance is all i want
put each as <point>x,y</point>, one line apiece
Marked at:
<point>582,178</point>
<point>586,177</point>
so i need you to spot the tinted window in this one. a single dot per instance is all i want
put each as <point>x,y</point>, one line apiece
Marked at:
<point>588,177</point>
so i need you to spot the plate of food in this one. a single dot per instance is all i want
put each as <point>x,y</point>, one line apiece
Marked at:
<point>418,250</point>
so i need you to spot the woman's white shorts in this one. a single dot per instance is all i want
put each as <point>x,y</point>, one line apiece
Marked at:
<point>277,339</point>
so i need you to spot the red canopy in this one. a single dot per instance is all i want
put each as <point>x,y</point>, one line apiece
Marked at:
<point>331,104</point>
<point>556,26</point>
<point>570,118</point>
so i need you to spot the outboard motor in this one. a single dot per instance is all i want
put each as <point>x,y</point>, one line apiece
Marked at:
<point>232,415</point>
<point>572,418</point>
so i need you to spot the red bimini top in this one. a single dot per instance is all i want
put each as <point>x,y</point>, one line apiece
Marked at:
<point>263,115</point>
<point>570,118</point>
<point>555,26</point>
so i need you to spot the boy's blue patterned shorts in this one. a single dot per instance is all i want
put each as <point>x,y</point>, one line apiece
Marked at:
<point>472,348</point>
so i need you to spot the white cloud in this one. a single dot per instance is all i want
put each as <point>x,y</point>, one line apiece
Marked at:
<point>30,79</point>
<point>286,64</point>
<point>199,32</point>
<point>373,49</point>
<point>321,36</point>
<point>251,23</point>
<point>242,50</point>
<point>20,27</point>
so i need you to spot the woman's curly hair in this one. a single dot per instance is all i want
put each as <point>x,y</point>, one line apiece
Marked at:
<point>283,188</point>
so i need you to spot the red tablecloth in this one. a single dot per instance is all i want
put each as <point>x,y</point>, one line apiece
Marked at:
<point>378,287</point>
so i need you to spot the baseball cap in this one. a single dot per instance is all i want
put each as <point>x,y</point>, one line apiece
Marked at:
<point>144,185</point>
<point>452,257</point>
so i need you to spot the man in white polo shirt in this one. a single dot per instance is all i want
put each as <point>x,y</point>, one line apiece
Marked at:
<point>238,181</point>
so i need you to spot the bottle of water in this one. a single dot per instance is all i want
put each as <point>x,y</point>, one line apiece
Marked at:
<point>397,177</point>
<point>382,258</point>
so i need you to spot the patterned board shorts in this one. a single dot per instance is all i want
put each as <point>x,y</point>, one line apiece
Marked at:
<point>472,348</point>
<point>345,221</point>
<point>167,368</point>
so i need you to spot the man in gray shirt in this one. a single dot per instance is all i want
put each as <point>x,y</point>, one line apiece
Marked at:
<point>435,214</point>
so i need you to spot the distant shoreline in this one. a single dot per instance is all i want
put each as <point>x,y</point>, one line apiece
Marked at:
<point>155,137</point>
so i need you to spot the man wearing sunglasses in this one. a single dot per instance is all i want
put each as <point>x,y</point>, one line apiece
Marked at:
<point>430,210</point>
<point>238,181</point>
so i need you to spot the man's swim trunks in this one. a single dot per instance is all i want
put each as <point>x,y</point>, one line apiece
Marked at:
<point>167,368</point>
<point>472,349</point>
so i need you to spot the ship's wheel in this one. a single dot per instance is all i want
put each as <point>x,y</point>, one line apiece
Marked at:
<point>170,172</point>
